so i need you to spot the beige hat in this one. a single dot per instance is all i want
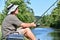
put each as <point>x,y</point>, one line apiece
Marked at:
<point>11,8</point>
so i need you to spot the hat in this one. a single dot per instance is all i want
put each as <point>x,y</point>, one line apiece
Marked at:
<point>11,8</point>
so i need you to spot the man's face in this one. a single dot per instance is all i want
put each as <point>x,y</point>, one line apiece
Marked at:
<point>16,11</point>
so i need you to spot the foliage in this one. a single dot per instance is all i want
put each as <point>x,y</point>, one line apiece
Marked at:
<point>1,18</point>
<point>52,20</point>
<point>0,33</point>
<point>56,17</point>
<point>56,35</point>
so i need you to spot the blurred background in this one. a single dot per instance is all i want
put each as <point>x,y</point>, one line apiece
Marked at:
<point>46,12</point>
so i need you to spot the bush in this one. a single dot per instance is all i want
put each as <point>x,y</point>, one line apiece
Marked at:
<point>0,33</point>
<point>56,24</point>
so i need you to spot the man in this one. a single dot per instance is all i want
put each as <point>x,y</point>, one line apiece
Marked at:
<point>11,24</point>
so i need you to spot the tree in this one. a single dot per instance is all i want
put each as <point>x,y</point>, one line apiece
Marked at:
<point>1,18</point>
<point>52,20</point>
<point>56,17</point>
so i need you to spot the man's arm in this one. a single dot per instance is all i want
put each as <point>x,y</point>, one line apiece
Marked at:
<point>17,22</point>
<point>24,25</point>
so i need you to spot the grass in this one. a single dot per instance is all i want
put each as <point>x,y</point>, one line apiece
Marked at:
<point>0,32</point>
<point>25,38</point>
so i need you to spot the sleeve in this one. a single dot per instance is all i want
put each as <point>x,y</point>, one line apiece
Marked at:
<point>16,21</point>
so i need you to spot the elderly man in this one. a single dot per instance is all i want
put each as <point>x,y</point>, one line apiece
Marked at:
<point>12,24</point>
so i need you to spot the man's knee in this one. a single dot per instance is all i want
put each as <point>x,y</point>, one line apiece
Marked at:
<point>27,29</point>
<point>24,31</point>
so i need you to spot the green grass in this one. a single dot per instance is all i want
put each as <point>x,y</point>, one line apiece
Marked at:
<point>0,32</point>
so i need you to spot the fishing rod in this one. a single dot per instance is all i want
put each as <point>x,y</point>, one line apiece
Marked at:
<point>36,21</point>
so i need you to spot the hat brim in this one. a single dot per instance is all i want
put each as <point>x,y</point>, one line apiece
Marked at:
<point>13,9</point>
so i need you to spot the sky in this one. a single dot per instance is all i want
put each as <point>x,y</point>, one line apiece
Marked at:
<point>39,6</point>
<point>2,4</point>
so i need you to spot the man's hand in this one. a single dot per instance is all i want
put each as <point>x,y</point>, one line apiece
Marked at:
<point>33,24</point>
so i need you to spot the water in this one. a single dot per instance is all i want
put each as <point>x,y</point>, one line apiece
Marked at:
<point>43,33</point>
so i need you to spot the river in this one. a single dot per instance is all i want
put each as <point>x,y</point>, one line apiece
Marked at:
<point>43,33</point>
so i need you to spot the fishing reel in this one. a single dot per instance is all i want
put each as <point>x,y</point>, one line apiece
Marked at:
<point>37,24</point>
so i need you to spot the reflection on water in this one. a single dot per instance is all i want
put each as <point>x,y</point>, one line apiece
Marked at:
<point>44,33</point>
<point>56,34</point>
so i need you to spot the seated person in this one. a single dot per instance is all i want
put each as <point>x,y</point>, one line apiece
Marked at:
<point>11,24</point>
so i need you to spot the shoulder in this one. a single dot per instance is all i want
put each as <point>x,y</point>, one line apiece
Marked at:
<point>11,16</point>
